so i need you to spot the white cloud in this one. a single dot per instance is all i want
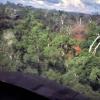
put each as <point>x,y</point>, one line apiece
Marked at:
<point>72,2</point>
<point>98,1</point>
<point>73,5</point>
<point>85,6</point>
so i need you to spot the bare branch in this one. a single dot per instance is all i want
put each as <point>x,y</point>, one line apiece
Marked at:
<point>90,48</point>
<point>94,52</point>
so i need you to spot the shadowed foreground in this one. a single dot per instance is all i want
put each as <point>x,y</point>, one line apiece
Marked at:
<point>25,86</point>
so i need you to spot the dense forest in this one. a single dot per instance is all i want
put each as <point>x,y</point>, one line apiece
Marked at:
<point>60,46</point>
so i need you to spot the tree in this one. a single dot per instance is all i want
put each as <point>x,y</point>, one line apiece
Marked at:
<point>91,46</point>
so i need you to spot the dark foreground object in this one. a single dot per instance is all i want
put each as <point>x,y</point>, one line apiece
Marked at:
<point>19,86</point>
<point>10,92</point>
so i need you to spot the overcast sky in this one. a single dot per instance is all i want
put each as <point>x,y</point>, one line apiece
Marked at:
<point>84,6</point>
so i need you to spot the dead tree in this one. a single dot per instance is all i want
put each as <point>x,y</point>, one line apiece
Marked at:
<point>91,46</point>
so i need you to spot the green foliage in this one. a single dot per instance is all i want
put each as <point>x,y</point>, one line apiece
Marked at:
<point>52,52</point>
<point>36,42</point>
<point>94,73</point>
<point>53,75</point>
<point>30,71</point>
<point>69,78</point>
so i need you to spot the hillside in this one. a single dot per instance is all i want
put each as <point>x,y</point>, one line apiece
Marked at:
<point>54,44</point>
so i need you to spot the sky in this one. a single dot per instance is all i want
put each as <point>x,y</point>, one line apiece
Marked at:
<point>83,6</point>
